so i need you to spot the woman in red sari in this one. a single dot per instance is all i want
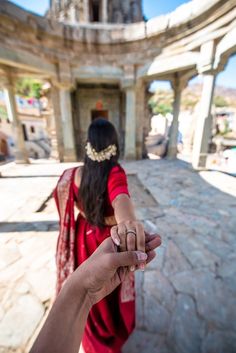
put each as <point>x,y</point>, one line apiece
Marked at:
<point>98,193</point>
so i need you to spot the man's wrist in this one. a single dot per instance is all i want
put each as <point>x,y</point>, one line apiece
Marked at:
<point>77,291</point>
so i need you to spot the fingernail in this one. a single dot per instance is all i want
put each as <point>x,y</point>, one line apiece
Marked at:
<point>141,256</point>
<point>142,267</point>
<point>132,268</point>
<point>117,241</point>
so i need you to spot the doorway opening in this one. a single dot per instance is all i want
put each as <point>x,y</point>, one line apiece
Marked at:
<point>25,132</point>
<point>94,11</point>
<point>95,114</point>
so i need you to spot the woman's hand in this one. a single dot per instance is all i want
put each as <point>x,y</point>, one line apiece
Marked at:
<point>130,236</point>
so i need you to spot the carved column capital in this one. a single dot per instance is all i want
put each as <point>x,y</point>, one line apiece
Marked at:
<point>64,85</point>
<point>207,55</point>
<point>7,78</point>
<point>179,82</point>
<point>64,78</point>
<point>128,80</point>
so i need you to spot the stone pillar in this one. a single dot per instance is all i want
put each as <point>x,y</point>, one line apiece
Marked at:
<point>204,123</point>
<point>67,124</point>
<point>73,14</point>
<point>57,141</point>
<point>51,131</point>
<point>130,123</point>
<point>21,155</point>
<point>178,85</point>
<point>140,118</point>
<point>147,119</point>
<point>104,11</point>
<point>86,11</point>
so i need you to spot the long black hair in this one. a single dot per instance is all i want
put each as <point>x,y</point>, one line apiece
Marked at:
<point>93,186</point>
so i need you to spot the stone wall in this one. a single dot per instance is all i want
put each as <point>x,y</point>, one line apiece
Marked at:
<point>92,97</point>
<point>124,11</point>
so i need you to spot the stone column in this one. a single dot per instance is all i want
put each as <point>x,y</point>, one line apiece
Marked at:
<point>67,124</point>
<point>104,11</point>
<point>178,85</point>
<point>140,118</point>
<point>72,14</point>
<point>130,123</point>
<point>147,119</point>
<point>57,141</point>
<point>21,155</point>
<point>204,123</point>
<point>86,11</point>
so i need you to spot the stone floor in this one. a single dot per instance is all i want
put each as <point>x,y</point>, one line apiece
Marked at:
<point>186,298</point>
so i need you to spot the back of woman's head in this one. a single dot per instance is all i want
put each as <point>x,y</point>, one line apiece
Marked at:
<point>102,153</point>
<point>101,134</point>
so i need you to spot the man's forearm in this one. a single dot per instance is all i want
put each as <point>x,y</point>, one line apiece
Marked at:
<point>64,327</point>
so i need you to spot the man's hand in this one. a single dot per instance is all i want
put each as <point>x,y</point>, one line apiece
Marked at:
<point>97,277</point>
<point>106,268</point>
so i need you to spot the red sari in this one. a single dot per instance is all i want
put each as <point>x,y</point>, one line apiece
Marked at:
<point>111,321</point>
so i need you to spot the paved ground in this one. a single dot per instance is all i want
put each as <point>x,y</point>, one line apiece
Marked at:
<point>186,299</point>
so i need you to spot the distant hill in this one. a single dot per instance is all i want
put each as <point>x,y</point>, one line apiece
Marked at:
<point>229,94</point>
<point>161,101</point>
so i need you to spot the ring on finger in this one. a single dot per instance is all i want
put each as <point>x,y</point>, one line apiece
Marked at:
<point>131,232</point>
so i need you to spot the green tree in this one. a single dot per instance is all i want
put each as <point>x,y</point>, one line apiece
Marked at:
<point>189,102</point>
<point>3,112</point>
<point>162,108</point>
<point>161,103</point>
<point>220,102</point>
<point>28,87</point>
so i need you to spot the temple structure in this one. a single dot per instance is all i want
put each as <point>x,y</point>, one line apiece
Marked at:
<point>104,11</point>
<point>100,62</point>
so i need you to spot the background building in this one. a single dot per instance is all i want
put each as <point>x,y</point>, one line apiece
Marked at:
<point>84,11</point>
<point>102,61</point>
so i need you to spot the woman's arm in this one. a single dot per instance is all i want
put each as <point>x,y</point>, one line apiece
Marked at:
<point>129,233</point>
<point>123,209</point>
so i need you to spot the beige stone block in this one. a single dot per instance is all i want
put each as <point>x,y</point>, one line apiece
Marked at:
<point>43,259</point>
<point>169,64</point>
<point>9,253</point>
<point>199,7</point>
<point>43,283</point>
<point>20,321</point>
<point>117,34</point>
<point>12,272</point>
<point>157,25</point>
<point>1,312</point>
<point>134,31</point>
<point>181,15</point>
<point>22,287</point>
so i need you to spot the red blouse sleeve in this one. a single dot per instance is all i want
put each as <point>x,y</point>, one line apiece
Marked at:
<point>117,183</point>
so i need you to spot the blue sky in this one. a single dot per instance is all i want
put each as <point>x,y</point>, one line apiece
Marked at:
<point>151,8</point>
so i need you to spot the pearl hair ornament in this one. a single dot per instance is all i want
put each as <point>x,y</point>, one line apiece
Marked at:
<point>101,156</point>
